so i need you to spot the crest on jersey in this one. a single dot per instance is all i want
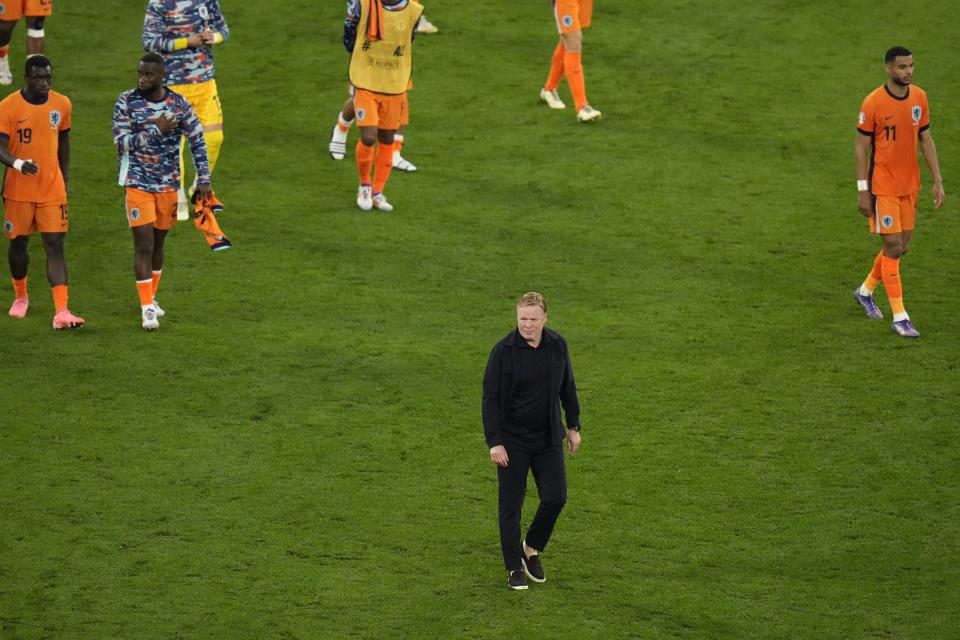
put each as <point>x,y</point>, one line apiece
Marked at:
<point>862,118</point>
<point>567,21</point>
<point>7,226</point>
<point>204,12</point>
<point>55,119</point>
<point>886,221</point>
<point>3,9</point>
<point>361,115</point>
<point>916,112</point>
<point>135,214</point>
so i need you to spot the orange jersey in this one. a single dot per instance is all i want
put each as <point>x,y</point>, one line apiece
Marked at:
<point>32,132</point>
<point>894,125</point>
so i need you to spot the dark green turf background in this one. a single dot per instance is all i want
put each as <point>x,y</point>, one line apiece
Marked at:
<point>297,453</point>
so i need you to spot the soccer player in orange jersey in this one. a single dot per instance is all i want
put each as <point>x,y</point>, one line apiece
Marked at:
<point>892,120</point>
<point>10,12</point>
<point>572,17</point>
<point>35,143</point>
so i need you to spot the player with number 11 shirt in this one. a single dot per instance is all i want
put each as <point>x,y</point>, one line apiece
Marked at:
<point>892,120</point>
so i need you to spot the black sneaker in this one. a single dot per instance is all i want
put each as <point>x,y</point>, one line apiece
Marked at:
<point>516,581</point>
<point>531,565</point>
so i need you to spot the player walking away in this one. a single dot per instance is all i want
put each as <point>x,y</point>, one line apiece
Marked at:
<point>338,135</point>
<point>35,135</point>
<point>148,123</point>
<point>892,119</point>
<point>185,32</point>
<point>572,17</point>
<point>36,12</point>
<point>381,66</point>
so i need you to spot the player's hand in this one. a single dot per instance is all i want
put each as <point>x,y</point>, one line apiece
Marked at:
<point>938,194</point>
<point>499,455</point>
<point>208,37</point>
<point>865,203</point>
<point>166,123</point>
<point>195,40</point>
<point>30,168</point>
<point>204,191</point>
<point>573,441</point>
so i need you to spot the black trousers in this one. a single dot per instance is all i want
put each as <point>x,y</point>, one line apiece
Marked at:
<point>546,463</point>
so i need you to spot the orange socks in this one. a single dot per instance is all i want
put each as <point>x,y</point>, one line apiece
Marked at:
<point>891,282</point>
<point>875,275</point>
<point>145,290</point>
<point>384,163</point>
<point>556,69</point>
<point>19,287</point>
<point>365,161</point>
<point>574,71</point>
<point>343,125</point>
<point>156,281</point>
<point>4,51</point>
<point>60,297</point>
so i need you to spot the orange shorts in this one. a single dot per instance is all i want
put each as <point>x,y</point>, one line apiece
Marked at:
<point>895,213</point>
<point>380,110</point>
<point>143,207</point>
<point>14,9</point>
<point>23,218</point>
<point>572,15</point>
<point>405,118</point>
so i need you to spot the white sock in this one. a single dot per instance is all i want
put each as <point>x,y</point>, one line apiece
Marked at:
<point>346,124</point>
<point>864,291</point>
<point>898,317</point>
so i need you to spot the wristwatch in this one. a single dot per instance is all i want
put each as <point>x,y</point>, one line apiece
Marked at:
<point>576,428</point>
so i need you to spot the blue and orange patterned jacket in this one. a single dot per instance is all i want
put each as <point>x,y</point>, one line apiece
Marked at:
<point>150,160</point>
<point>167,21</point>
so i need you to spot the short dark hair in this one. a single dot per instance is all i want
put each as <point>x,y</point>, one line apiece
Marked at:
<point>894,52</point>
<point>153,57</point>
<point>36,62</point>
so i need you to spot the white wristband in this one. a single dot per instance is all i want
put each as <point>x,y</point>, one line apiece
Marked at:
<point>862,185</point>
<point>18,165</point>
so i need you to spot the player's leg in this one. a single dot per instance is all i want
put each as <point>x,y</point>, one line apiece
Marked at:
<point>367,113</point>
<point>895,245</point>
<point>36,12</point>
<point>548,93</point>
<point>159,239</point>
<point>6,32</point>
<point>141,214</point>
<point>383,163</point>
<point>211,117</point>
<point>338,135</point>
<point>573,16</point>
<point>19,259</point>
<point>57,277</point>
<point>35,35</point>
<point>399,162</point>
<point>390,117</point>
<point>167,216</point>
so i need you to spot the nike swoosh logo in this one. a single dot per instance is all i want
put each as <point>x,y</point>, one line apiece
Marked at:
<point>22,121</point>
<point>888,117</point>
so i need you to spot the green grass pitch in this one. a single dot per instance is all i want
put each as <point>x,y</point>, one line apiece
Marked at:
<point>297,452</point>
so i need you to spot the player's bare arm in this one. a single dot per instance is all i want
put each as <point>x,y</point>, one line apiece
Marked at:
<point>862,160</point>
<point>929,150</point>
<point>27,167</point>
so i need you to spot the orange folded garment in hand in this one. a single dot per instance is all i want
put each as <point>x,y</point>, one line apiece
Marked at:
<point>204,220</point>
